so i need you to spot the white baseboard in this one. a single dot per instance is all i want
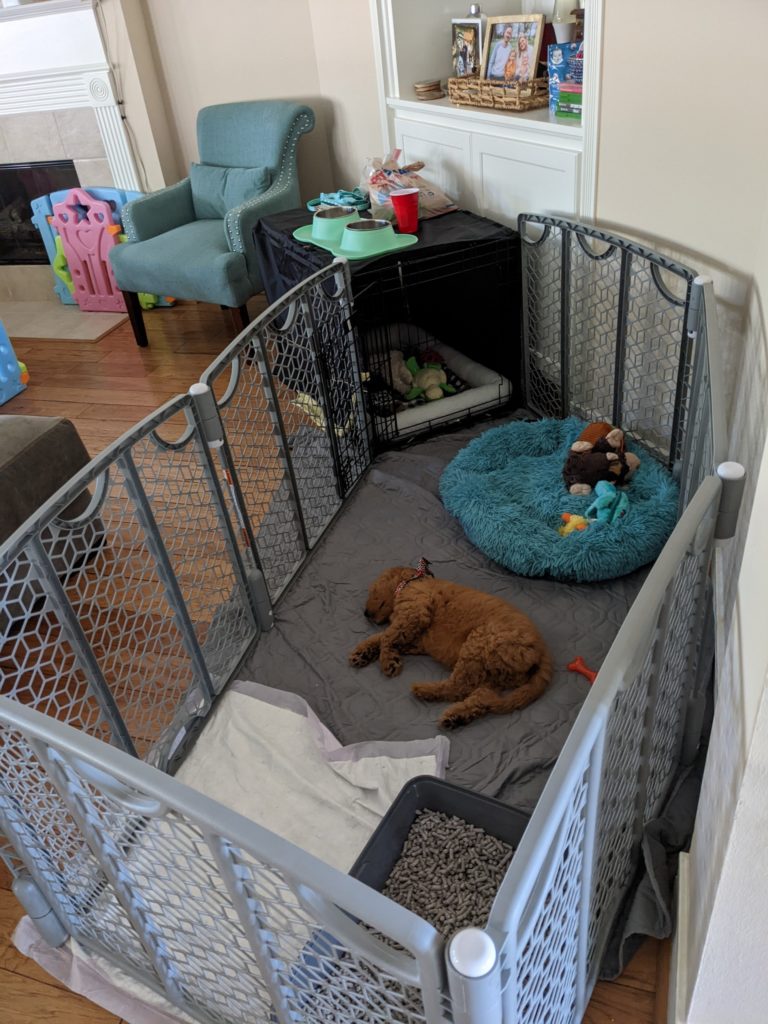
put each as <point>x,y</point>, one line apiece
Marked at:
<point>678,968</point>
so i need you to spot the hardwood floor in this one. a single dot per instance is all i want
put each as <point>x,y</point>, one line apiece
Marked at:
<point>105,388</point>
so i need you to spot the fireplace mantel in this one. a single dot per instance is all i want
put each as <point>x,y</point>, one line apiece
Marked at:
<point>41,73</point>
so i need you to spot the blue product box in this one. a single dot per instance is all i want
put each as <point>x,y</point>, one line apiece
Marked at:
<point>562,61</point>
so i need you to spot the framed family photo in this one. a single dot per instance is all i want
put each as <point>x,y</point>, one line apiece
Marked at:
<point>467,46</point>
<point>512,46</point>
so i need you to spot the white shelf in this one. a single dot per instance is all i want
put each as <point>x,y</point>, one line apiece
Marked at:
<point>539,121</point>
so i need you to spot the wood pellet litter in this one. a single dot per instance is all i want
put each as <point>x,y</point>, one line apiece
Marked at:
<point>448,872</point>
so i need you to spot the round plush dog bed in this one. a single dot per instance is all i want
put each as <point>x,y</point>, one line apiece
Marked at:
<point>506,489</point>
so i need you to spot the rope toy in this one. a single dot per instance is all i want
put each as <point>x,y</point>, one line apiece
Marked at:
<point>422,571</point>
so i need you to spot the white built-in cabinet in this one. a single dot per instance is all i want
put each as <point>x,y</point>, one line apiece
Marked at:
<point>496,163</point>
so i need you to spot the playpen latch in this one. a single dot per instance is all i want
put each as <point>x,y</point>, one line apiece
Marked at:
<point>474,977</point>
<point>733,477</point>
<point>27,892</point>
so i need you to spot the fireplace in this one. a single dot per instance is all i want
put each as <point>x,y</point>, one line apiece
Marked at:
<point>20,241</point>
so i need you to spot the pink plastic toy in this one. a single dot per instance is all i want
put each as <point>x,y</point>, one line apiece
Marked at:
<point>88,233</point>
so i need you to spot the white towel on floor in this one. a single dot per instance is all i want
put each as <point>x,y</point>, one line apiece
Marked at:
<point>265,754</point>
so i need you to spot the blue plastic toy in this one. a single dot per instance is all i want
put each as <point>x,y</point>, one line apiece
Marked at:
<point>609,504</point>
<point>10,370</point>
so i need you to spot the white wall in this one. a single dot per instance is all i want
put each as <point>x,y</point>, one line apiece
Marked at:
<point>240,50</point>
<point>682,164</point>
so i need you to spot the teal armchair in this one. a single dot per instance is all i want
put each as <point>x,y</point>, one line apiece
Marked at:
<point>194,240</point>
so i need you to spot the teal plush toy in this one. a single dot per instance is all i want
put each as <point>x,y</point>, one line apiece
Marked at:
<point>609,504</point>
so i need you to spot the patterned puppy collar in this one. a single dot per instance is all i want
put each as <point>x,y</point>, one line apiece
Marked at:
<point>422,571</point>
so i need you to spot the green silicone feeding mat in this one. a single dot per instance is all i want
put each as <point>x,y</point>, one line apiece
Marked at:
<point>364,245</point>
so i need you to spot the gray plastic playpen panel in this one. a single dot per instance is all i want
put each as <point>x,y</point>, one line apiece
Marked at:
<point>160,582</point>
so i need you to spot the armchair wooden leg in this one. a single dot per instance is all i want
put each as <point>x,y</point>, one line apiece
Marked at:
<point>135,315</point>
<point>238,315</point>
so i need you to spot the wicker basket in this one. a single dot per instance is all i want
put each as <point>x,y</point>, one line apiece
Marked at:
<point>482,92</point>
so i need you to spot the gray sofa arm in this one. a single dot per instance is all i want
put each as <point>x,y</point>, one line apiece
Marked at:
<point>159,212</point>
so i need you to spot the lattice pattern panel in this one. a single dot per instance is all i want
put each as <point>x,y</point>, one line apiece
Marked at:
<point>180,493</point>
<point>343,396</point>
<point>121,603</point>
<point>210,941</point>
<point>37,663</point>
<point>301,400</point>
<point>542,263</point>
<point>626,355</point>
<point>700,439</point>
<point>656,358</point>
<point>49,842</point>
<point>595,281</point>
<point>615,833</point>
<point>677,670</point>
<point>325,982</point>
<point>295,422</point>
<point>167,872</point>
<point>547,968</point>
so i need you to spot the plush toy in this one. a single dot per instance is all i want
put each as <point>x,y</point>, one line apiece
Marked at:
<point>600,437</point>
<point>598,454</point>
<point>609,505</point>
<point>572,523</point>
<point>430,380</point>
<point>400,376</point>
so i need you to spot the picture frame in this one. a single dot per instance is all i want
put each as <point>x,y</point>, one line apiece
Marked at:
<point>512,47</point>
<point>466,47</point>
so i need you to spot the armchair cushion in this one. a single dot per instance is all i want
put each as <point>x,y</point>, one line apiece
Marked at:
<point>193,261</point>
<point>215,190</point>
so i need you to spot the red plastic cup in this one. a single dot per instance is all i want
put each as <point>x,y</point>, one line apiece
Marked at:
<point>405,202</point>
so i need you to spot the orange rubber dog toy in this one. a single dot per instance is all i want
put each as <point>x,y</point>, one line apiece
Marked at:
<point>577,665</point>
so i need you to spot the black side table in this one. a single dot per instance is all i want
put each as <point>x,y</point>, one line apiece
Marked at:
<point>460,282</point>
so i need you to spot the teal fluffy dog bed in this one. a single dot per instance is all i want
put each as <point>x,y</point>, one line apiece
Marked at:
<point>506,489</point>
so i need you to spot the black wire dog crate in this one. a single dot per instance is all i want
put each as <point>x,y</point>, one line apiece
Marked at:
<point>450,305</point>
<point>439,336</point>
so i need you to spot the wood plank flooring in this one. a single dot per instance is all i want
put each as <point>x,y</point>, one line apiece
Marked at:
<point>105,388</point>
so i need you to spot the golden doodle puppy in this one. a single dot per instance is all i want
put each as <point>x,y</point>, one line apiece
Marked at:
<point>498,660</point>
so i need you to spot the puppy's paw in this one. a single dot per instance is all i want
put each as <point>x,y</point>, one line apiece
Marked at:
<point>450,719</point>
<point>391,664</point>
<point>363,654</point>
<point>425,691</point>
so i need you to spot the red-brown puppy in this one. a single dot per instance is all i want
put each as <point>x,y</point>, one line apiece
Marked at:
<point>498,660</point>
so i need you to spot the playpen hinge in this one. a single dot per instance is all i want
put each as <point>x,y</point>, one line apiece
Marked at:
<point>474,977</point>
<point>262,603</point>
<point>208,414</point>
<point>733,477</point>
<point>29,895</point>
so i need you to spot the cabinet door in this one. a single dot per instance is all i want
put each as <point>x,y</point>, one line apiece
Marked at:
<point>511,176</point>
<point>446,154</point>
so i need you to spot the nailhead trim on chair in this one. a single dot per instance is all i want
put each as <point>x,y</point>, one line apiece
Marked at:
<point>303,123</point>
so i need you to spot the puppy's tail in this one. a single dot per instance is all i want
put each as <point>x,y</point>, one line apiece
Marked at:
<point>526,692</point>
<point>541,674</point>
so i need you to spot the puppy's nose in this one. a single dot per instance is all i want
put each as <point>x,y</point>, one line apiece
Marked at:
<point>368,615</point>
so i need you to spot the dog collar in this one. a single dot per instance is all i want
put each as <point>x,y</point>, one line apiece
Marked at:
<point>422,571</point>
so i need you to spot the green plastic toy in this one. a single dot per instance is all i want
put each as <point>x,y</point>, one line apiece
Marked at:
<point>60,265</point>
